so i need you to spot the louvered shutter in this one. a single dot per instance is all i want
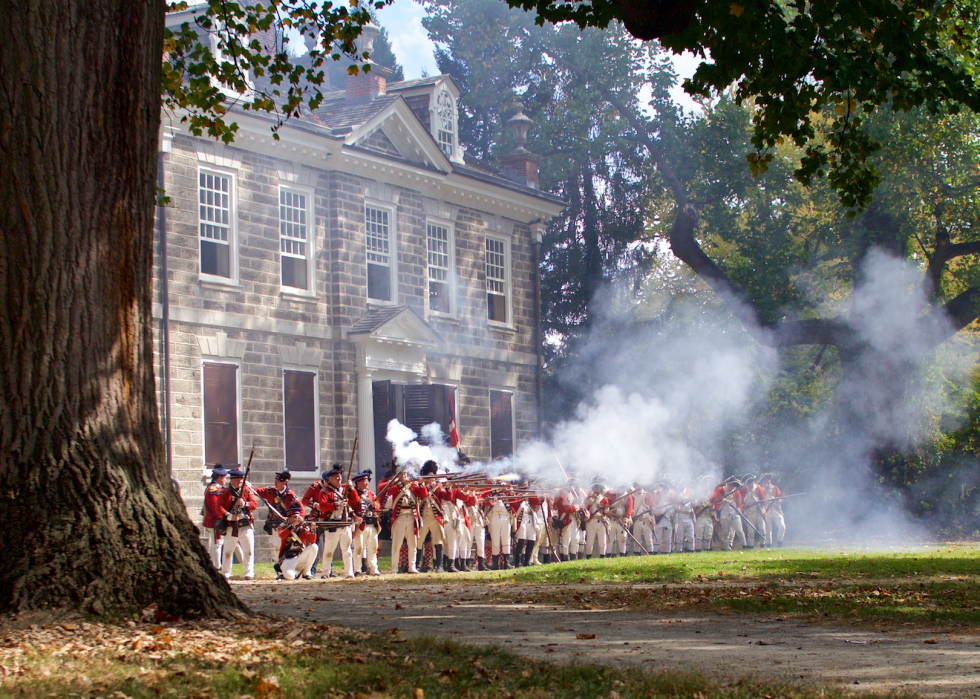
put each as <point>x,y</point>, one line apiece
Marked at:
<point>383,414</point>
<point>501,424</point>
<point>221,414</point>
<point>299,417</point>
<point>418,407</point>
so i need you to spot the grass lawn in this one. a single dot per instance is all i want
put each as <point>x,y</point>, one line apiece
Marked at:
<point>935,584</point>
<point>264,658</point>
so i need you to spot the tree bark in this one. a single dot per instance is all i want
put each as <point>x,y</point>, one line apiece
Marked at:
<point>90,518</point>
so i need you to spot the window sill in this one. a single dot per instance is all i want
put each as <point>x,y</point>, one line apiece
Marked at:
<point>443,318</point>
<point>304,477</point>
<point>376,302</point>
<point>301,296</point>
<point>501,327</point>
<point>219,284</point>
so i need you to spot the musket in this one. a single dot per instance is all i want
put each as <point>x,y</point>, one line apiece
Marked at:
<point>347,484</point>
<point>235,509</point>
<point>331,523</point>
<point>564,472</point>
<point>760,502</point>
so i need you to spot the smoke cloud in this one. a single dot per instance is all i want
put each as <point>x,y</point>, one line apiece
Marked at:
<point>670,400</point>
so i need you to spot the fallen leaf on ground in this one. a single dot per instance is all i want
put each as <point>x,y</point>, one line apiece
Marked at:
<point>584,636</point>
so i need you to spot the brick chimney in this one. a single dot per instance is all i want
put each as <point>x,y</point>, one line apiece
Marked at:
<point>520,165</point>
<point>364,87</point>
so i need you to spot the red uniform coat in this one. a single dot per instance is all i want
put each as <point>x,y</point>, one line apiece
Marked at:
<point>364,504</point>
<point>627,502</point>
<point>227,500</point>
<point>330,501</point>
<point>312,493</point>
<point>211,495</point>
<point>281,500</point>
<point>304,535</point>
<point>566,508</point>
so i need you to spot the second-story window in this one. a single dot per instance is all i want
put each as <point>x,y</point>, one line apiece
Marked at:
<point>378,254</point>
<point>293,239</point>
<point>437,238</point>
<point>215,224</point>
<point>446,122</point>
<point>496,280</point>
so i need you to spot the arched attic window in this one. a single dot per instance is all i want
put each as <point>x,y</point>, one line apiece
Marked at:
<point>446,122</point>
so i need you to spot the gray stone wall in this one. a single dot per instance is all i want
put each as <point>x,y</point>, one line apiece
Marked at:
<point>257,314</point>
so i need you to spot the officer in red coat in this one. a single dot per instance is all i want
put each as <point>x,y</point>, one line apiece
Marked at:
<point>281,497</point>
<point>366,508</point>
<point>211,517</point>
<point>298,549</point>
<point>237,504</point>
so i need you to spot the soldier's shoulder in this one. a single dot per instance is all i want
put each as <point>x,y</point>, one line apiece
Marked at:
<point>213,488</point>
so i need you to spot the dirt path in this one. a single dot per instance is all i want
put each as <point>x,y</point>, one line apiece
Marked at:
<point>717,645</point>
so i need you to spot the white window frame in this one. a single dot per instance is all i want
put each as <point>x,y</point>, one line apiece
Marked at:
<point>392,251</point>
<point>315,473</point>
<point>310,241</point>
<point>207,359</point>
<point>233,272</point>
<point>451,281</point>
<point>508,285</point>
<point>437,123</point>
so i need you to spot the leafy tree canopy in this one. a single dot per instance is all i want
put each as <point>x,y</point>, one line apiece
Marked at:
<point>793,58</point>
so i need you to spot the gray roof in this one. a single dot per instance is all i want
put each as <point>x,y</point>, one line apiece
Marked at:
<point>374,319</point>
<point>335,114</point>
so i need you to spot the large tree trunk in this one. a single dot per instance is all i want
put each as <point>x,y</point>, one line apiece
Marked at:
<point>90,519</point>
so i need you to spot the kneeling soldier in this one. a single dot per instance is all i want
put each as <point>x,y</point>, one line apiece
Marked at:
<point>298,550</point>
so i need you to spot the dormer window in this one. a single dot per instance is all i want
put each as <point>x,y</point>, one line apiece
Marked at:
<point>446,122</point>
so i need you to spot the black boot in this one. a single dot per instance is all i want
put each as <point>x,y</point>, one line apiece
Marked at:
<point>546,558</point>
<point>527,554</point>
<point>505,557</point>
<point>419,559</point>
<point>461,565</point>
<point>518,553</point>
<point>449,564</point>
<point>495,563</point>
<point>481,563</point>
<point>437,558</point>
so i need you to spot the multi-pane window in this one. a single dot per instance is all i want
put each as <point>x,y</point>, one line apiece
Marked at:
<point>215,219</point>
<point>378,254</point>
<point>437,238</point>
<point>496,280</point>
<point>445,122</point>
<point>293,239</point>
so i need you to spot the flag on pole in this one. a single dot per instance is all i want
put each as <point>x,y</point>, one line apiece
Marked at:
<point>453,434</point>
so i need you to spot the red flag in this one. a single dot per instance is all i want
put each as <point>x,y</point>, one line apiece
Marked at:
<point>453,434</point>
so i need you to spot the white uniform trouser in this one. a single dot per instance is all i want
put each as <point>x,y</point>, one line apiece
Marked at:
<point>704,529</point>
<point>450,547</point>
<point>403,531</point>
<point>296,566</point>
<point>595,537</point>
<point>731,524</point>
<point>684,531</point>
<point>499,533</point>
<point>756,519</point>
<point>341,537</point>
<point>245,538</point>
<point>569,539</point>
<point>464,540</point>
<point>540,539</point>
<point>617,537</point>
<point>526,529</point>
<point>214,548</point>
<point>429,526</point>
<point>479,529</point>
<point>644,533</point>
<point>775,527</point>
<point>366,543</point>
<point>664,530</point>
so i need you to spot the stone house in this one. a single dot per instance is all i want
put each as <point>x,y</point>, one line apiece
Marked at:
<point>359,269</point>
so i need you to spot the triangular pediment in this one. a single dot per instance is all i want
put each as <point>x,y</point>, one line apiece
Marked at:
<point>396,127</point>
<point>396,324</point>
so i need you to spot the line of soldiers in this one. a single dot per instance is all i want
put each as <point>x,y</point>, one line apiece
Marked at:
<point>526,523</point>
